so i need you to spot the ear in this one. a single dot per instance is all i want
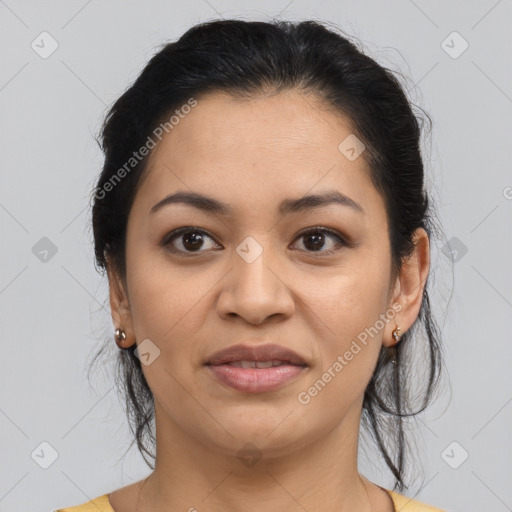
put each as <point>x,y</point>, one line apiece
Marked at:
<point>120,305</point>
<point>409,286</point>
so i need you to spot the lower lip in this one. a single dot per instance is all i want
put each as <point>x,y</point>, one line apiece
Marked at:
<point>256,380</point>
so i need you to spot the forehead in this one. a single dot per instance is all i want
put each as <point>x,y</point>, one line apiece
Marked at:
<point>274,146</point>
<point>275,123</point>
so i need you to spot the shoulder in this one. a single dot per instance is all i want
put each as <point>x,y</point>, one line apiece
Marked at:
<point>404,504</point>
<point>99,504</point>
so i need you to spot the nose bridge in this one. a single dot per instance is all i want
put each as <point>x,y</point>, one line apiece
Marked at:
<point>252,261</point>
<point>255,290</point>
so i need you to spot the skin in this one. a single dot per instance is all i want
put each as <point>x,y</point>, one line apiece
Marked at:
<point>252,155</point>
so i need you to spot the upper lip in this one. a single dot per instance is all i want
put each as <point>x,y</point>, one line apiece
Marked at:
<point>244,352</point>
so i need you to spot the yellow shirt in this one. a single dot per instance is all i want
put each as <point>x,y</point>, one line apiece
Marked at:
<point>402,504</point>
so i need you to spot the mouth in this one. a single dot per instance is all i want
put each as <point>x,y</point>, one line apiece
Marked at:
<point>270,355</point>
<point>259,364</point>
<point>256,369</point>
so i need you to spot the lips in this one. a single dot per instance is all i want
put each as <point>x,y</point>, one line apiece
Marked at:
<point>262,353</point>
<point>256,369</point>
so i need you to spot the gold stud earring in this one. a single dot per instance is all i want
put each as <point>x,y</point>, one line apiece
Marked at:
<point>396,336</point>
<point>120,336</point>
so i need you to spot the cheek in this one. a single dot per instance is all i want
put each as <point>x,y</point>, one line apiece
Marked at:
<point>348,309</point>
<point>351,299</point>
<point>168,308</point>
<point>168,302</point>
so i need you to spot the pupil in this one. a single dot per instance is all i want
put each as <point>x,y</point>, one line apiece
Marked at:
<point>317,240</point>
<point>192,240</point>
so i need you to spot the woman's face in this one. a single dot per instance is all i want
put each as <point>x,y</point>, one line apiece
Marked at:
<point>249,275</point>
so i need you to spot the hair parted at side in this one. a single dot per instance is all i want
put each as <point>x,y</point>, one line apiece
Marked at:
<point>244,59</point>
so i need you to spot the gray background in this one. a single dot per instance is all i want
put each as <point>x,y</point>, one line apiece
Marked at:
<point>54,313</point>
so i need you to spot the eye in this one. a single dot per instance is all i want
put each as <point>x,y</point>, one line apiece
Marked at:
<point>189,240</point>
<point>315,239</point>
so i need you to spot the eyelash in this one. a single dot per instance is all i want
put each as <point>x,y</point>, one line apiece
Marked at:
<point>168,239</point>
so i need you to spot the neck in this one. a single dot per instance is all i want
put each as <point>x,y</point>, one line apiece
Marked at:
<point>318,475</point>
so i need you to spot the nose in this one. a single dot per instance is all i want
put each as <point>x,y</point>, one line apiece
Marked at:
<point>255,290</point>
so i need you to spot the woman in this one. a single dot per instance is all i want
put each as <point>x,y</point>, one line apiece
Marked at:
<point>262,219</point>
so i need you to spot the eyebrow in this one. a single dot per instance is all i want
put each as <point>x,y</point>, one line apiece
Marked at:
<point>287,206</point>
